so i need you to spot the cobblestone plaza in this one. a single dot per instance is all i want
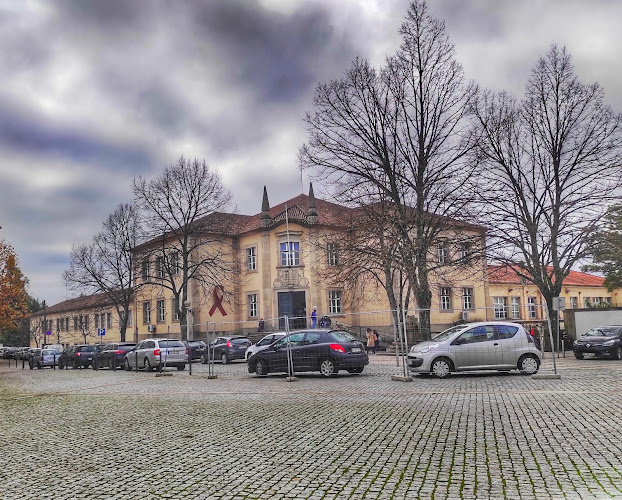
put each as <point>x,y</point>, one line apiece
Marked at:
<point>101,434</point>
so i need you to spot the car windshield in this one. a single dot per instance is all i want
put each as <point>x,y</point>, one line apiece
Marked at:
<point>602,332</point>
<point>240,341</point>
<point>449,333</point>
<point>340,336</point>
<point>87,348</point>
<point>171,343</point>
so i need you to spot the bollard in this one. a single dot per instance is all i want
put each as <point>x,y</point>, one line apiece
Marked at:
<point>23,363</point>
<point>160,369</point>
<point>136,359</point>
<point>96,362</point>
<point>114,362</point>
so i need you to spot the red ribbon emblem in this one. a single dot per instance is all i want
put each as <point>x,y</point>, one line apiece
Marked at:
<point>218,300</point>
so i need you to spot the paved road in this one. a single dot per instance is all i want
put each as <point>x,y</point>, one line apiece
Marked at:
<point>87,434</point>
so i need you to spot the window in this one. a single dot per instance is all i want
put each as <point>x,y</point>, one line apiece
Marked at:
<point>332,254</point>
<point>102,320</point>
<point>531,304</point>
<point>596,301</point>
<point>109,320</point>
<point>290,257</point>
<point>67,324</point>
<point>175,309</point>
<point>97,321</point>
<point>464,251</point>
<point>467,298</point>
<point>145,269</point>
<point>251,258</point>
<point>506,332</point>
<point>57,325</point>
<point>501,307</point>
<point>129,317</point>
<point>161,310</point>
<point>173,259</point>
<point>441,252</point>
<point>607,300</point>
<point>252,305</point>
<point>334,301</point>
<point>146,312</point>
<point>445,298</point>
<point>86,322</point>
<point>75,323</point>
<point>159,267</point>
<point>515,303</point>
<point>574,303</point>
<point>478,334</point>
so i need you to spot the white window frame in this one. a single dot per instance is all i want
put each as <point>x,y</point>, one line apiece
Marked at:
<point>334,301</point>
<point>445,298</point>
<point>251,258</point>
<point>500,305</point>
<point>173,259</point>
<point>467,299</point>
<point>332,254</point>
<point>441,252</point>
<point>531,305</point>
<point>159,263</point>
<point>574,302</point>
<point>147,313</point>
<point>161,310</point>
<point>145,269</point>
<point>108,320</point>
<point>290,257</point>
<point>515,307</point>
<point>175,313</point>
<point>253,306</point>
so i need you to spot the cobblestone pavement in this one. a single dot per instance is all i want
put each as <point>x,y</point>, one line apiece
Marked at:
<point>88,434</point>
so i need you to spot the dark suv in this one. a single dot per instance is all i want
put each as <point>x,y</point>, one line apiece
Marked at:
<point>111,354</point>
<point>225,349</point>
<point>77,356</point>
<point>602,341</point>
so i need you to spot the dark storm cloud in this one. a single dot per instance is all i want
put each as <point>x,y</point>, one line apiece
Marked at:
<point>23,132</point>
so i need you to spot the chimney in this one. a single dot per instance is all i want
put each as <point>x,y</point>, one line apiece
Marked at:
<point>266,220</point>
<point>312,214</point>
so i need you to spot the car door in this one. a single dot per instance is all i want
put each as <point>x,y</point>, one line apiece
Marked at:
<point>134,354</point>
<point>311,351</point>
<point>511,344</point>
<point>475,348</point>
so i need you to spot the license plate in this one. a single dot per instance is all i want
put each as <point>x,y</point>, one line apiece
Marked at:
<point>357,349</point>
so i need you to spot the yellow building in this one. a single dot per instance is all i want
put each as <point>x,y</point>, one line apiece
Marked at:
<point>82,320</point>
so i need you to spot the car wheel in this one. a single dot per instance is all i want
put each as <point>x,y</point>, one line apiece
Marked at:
<point>355,370</point>
<point>181,368</point>
<point>618,353</point>
<point>30,365</point>
<point>224,359</point>
<point>203,360</point>
<point>441,367</point>
<point>328,368</point>
<point>578,355</point>
<point>127,365</point>
<point>60,365</point>
<point>147,365</point>
<point>39,366</point>
<point>528,364</point>
<point>261,368</point>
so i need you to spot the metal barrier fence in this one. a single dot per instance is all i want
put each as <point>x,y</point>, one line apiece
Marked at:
<point>370,343</point>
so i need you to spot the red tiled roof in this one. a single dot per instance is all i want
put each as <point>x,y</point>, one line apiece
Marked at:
<point>505,274</point>
<point>86,302</point>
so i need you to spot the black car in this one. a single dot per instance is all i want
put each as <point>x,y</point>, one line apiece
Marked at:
<point>602,341</point>
<point>111,354</point>
<point>225,349</point>
<point>77,356</point>
<point>326,351</point>
<point>196,348</point>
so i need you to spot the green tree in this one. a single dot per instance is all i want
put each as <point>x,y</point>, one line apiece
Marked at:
<point>606,249</point>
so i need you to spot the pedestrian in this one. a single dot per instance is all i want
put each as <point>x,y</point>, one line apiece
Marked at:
<point>370,341</point>
<point>262,325</point>
<point>313,317</point>
<point>376,341</point>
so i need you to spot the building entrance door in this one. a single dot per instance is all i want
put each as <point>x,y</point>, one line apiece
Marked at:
<point>293,305</point>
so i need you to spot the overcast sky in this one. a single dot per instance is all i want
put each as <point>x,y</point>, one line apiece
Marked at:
<point>94,93</point>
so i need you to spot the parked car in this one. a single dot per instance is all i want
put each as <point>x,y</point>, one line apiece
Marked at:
<point>263,343</point>
<point>156,353</point>
<point>476,346</point>
<point>21,352</point>
<point>46,357</point>
<point>196,348</point>
<point>602,341</point>
<point>326,351</point>
<point>31,352</point>
<point>225,349</point>
<point>111,354</point>
<point>77,356</point>
<point>9,352</point>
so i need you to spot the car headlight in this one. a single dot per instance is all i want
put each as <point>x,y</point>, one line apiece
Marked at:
<point>609,343</point>
<point>429,348</point>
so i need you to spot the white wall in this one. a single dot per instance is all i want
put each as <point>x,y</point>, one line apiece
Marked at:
<point>586,319</point>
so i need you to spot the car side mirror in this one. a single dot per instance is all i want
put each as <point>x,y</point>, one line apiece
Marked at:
<point>459,341</point>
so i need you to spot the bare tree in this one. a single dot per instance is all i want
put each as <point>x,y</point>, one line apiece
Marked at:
<point>552,167</point>
<point>107,264</point>
<point>188,235</point>
<point>403,132</point>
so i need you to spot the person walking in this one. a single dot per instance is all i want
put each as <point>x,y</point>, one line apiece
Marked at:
<point>313,317</point>
<point>376,341</point>
<point>370,341</point>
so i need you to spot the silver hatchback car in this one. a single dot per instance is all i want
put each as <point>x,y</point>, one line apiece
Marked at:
<point>157,353</point>
<point>476,346</point>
